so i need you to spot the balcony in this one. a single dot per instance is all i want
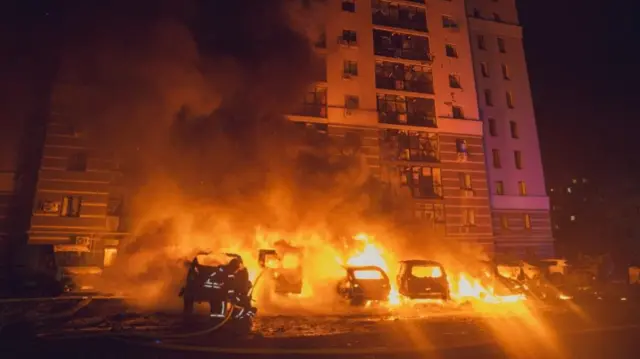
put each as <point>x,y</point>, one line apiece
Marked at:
<point>311,110</point>
<point>404,85</point>
<point>401,16</point>
<point>402,46</point>
<point>403,118</point>
<point>401,110</point>
<point>412,146</point>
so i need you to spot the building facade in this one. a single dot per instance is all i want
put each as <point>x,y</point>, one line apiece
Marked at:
<point>519,202</point>
<point>410,82</point>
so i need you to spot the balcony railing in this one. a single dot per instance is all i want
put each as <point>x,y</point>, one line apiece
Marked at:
<point>407,54</point>
<point>403,118</point>
<point>403,46</point>
<point>415,21</point>
<point>404,85</point>
<point>312,110</point>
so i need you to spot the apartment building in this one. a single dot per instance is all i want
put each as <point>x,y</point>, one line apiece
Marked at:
<point>519,202</point>
<point>400,83</point>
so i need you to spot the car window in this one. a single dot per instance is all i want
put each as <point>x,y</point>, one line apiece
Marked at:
<point>426,271</point>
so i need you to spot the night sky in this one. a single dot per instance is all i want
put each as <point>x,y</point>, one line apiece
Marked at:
<point>583,63</point>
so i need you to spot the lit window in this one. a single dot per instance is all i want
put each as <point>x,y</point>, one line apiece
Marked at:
<point>499,188</point>
<point>522,188</point>
<point>573,218</point>
<point>527,221</point>
<point>584,180</point>
<point>504,221</point>
<point>465,181</point>
<point>569,190</point>
<point>509,98</point>
<point>469,216</point>
<point>551,190</point>
<point>110,256</point>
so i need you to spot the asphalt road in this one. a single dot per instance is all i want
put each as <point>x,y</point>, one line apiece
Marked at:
<point>596,330</point>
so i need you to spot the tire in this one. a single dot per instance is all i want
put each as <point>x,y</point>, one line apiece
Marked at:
<point>188,303</point>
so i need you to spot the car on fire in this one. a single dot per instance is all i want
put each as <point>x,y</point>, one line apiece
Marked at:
<point>423,279</point>
<point>283,265</point>
<point>364,283</point>
<point>222,281</point>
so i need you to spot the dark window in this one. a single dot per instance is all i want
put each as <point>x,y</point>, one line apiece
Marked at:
<point>349,38</point>
<point>488,98</point>
<point>322,40</point>
<point>349,5</point>
<point>501,45</point>
<point>423,182</point>
<point>517,156</point>
<point>509,98</point>
<point>77,162</point>
<point>351,102</point>
<point>456,112</point>
<point>484,69</point>
<point>448,22</point>
<point>450,51</point>
<point>461,146</point>
<point>454,81</point>
<point>399,145</point>
<point>505,72</point>
<point>314,104</point>
<point>496,158</point>
<point>386,13</point>
<point>350,68</point>
<point>476,13</point>
<point>481,44</point>
<point>513,126</point>
<point>404,77</point>
<point>409,47</point>
<point>493,130</point>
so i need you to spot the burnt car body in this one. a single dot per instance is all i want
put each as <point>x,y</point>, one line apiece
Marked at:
<point>365,283</point>
<point>423,279</point>
<point>284,267</point>
<point>210,280</point>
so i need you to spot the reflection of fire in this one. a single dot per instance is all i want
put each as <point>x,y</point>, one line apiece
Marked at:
<point>468,288</point>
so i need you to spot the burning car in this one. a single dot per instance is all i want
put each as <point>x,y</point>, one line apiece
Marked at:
<point>423,279</point>
<point>364,283</point>
<point>222,281</point>
<point>284,267</point>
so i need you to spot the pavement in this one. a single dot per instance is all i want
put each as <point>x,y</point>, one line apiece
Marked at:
<point>601,329</point>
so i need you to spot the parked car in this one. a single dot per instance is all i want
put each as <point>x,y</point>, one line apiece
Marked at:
<point>365,283</point>
<point>423,279</point>
<point>284,267</point>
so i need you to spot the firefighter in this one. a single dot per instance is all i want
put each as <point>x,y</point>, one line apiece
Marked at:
<point>239,286</point>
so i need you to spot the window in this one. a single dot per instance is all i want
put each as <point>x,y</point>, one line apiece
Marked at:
<point>468,217</point>
<point>71,206</point>
<point>350,68</point>
<point>505,72</point>
<point>315,103</point>
<point>448,22</point>
<point>450,51</point>
<point>488,99</point>
<point>77,162</point>
<point>527,221</point>
<point>501,46</point>
<point>465,181</point>
<point>513,127</point>
<point>431,213</point>
<point>509,98</point>
<point>456,112</point>
<point>484,69</point>
<point>461,146</point>
<point>496,158</point>
<point>351,102</point>
<point>500,188</point>
<point>349,5</point>
<point>573,218</point>
<point>399,145</point>
<point>454,81</point>
<point>110,256</point>
<point>349,38</point>
<point>481,44</point>
<point>493,130</point>
<point>517,157</point>
<point>423,182</point>
<point>504,221</point>
<point>522,188</point>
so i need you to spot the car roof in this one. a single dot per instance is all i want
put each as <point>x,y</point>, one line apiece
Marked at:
<point>421,262</point>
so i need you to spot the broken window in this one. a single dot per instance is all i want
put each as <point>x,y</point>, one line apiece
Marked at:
<point>399,145</point>
<point>314,104</point>
<point>450,51</point>
<point>385,13</point>
<point>454,81</point>
<point>457,112</point>
<point>406,110</point>
<point>404,77</point>
<point>410,47</point>
<point>423,182</point>
<point>349,38</point>
<point>77,162</point>
<point>349,5</point>
<point>71,206</point>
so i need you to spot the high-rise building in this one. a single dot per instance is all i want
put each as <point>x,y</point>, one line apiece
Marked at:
<point>519,202</point>
<point>439,100</point>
